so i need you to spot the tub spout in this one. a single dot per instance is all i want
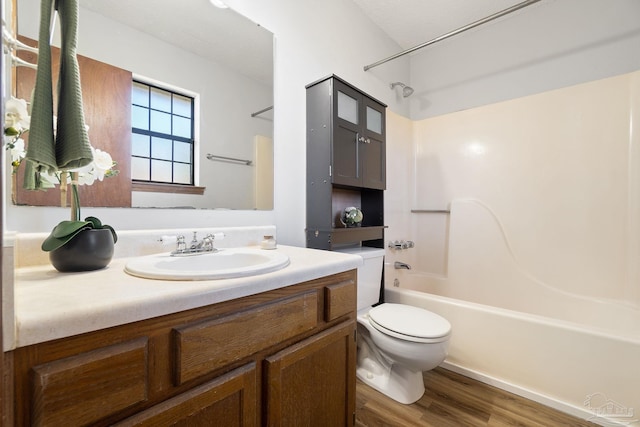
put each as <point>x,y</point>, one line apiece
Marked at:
<point>401,265</point>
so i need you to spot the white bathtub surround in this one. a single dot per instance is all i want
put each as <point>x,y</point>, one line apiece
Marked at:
<point>539,259</point>
<point>485,268</point>
<point>559,171</point>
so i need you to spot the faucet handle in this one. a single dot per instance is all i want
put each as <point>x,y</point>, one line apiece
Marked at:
<point>401,244</point>
<point>181,245</point>
<point>207,242</point>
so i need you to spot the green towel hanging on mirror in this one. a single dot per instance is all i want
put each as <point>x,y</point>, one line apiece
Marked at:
<point>71,148</point>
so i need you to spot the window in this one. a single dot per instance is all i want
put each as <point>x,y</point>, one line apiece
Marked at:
<point>162,140</point>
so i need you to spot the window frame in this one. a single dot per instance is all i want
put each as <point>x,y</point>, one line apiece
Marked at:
<point>172,187</point>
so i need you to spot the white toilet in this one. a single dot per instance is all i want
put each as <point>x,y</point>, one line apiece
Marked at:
<point>396,342</point>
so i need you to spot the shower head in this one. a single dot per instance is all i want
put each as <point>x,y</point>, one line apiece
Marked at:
<point>406,90</point>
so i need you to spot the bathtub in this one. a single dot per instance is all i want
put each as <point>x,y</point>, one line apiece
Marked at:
<point>578,353</point>
<point>578,370</point>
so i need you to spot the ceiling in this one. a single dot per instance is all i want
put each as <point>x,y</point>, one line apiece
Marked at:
<point>221,35</point>
<point>413,22</point>
<point>205,30</point>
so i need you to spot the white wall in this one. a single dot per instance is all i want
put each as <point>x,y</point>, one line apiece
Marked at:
<point>312,40</point>
<point>554,44</point>
<point>551,44</point>
<point>315,39</point>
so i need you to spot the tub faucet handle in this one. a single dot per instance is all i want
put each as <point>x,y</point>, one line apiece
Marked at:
<point>401,244</point>
<point>401,266</point>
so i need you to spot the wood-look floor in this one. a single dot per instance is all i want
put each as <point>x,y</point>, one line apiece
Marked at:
<point>454,400</point>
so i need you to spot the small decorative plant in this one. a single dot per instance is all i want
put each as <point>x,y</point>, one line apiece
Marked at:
<point>67,230</point>
<point>351,217</point>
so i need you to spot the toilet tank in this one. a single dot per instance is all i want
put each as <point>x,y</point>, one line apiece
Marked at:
<point>369,274</point>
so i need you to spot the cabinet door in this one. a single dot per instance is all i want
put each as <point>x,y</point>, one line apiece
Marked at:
<point>373,147</point>
<point>229,400</point>
<point>347,134</point>
<point>87,387</point>
<point>358,150</point>
<point>313,382</point>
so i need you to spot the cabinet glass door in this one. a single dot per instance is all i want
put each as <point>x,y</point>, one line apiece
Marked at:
<point>347,108</point>
<point>372,152</point>
<point>374,120</point>
<point>348,128</point>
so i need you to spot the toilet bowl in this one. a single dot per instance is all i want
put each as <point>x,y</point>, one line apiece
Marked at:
<point>396,342</point>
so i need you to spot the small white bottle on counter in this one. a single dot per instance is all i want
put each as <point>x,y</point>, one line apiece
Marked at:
<point>269,242</point>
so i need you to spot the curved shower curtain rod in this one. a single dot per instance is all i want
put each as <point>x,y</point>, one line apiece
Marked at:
<point>454,32</point>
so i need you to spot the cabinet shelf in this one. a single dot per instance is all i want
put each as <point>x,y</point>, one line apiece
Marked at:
<point>326,239</point>
<point>357,234</point>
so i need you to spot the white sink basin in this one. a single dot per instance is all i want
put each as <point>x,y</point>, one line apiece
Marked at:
<point>224,264</point>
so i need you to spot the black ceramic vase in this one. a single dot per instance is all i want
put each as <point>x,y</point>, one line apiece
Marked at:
<point>91,249</point>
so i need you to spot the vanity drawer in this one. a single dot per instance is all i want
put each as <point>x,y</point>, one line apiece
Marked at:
<point>205,346</point>
<point>81,389</point>
<point>339,299</point>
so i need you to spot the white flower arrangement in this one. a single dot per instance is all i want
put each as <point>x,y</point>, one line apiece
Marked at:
<point>17,123</point>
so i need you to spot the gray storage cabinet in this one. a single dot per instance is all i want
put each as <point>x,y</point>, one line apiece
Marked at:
<point>346,164</point>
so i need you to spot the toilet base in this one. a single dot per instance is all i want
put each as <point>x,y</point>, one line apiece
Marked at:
<point>397,382</point>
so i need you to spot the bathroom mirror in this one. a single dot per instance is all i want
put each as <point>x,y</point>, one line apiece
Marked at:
<point>219,56</point>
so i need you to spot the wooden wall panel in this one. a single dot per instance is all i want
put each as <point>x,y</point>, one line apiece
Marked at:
<point>106,92</point>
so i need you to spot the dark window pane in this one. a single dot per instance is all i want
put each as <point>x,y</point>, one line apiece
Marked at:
<point>140,169</point>
<point>160,122</point>
<point>162,135</point>
<point>139,117</point>
<point>160,171</point>
<point>140,145</point>
<point>182,105</point>
<point>182,173</point>
<point>181,152</point>
<point>182,127</point>
<point>140,94</point>
<point>160,100</point>
<point>161,148</point>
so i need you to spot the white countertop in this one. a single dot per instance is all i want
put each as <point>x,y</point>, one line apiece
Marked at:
<point>51,305</point>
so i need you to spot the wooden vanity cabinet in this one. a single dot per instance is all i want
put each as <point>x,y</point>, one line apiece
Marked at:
<point>280,358</point>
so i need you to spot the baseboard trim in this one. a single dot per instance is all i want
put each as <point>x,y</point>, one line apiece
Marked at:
<point>559,405</point>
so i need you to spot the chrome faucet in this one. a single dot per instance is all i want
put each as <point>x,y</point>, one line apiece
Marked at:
<point>195,247</point>
<point>401,265</point>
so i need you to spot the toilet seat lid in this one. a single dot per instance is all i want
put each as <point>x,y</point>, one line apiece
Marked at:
<point>406,321</point>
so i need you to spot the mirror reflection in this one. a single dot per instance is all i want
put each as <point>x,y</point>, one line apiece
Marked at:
<point>212,59</point>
